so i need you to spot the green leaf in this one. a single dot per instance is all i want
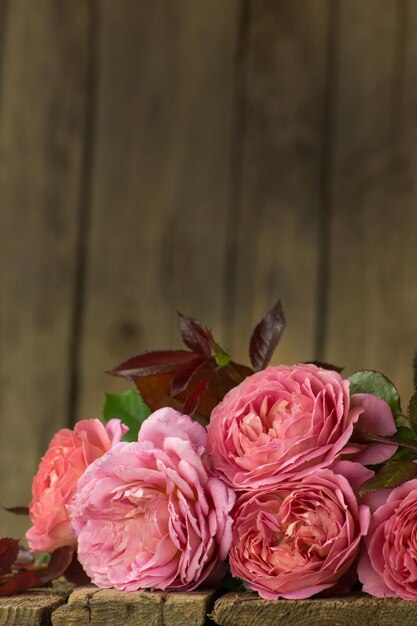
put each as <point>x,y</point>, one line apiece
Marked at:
<point>392,474</point>
<point>402,421</point>
<point>412,411</point>
<point>404,454</point>
<point>43,558</point>
<point>220,356</point>
<point>369,381</point>
<point>231,583</point>
<point>128,407</point>
<point>405,434</point>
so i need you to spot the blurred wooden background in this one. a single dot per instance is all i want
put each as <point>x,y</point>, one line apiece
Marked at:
<point>204,156</point>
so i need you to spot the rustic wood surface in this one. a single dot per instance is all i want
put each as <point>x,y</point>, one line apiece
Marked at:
<point>372,296</point>
<point>205,156</point>
<point>278,201</point>
<point>107,607</point>
<point>249,610</point>
<point>35,607</point>
<point>100,607</point>
<point>42,101</point>
<point>160,180</point>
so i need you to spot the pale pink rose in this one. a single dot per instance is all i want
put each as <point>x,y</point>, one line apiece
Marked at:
<point>388,562</point>
<point>299,538</point>
<point>53,487</point>
<point>286,422</point>
<point>149,514</point>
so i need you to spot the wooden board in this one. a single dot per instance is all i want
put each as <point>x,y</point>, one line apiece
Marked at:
<point>161,179</point>
<point>354,610</point>
<point>42,100</point>
<point>34,607</point>
<point>100,607</point>
<point>107,607</point>
<point>275,231</point>
<point>372,296</point>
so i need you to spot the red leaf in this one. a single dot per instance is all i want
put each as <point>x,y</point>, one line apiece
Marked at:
<point>193,399</point>
<point>194,335</point>
<point>16,510</point>
<point>266,336</point>
<point>153,363</point>
<point>9,549</point>
<point>182,378</point>
<point>75,573</point>
<point>22,580</point>
<point>60,561</point>
<point>155,391</point>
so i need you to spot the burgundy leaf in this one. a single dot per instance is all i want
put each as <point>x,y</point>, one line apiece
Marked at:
<point>16,510</point>
<point>266,336</point>
<point>194,335</point>
<point>60,561</point>
<point>193,399</point>
<point>155,391</point>
<point>182,378</point>
<point>75,573</point>
<point>9,549</point>
<point>152,363</point>
<point>22,580</point>
<point>325,366</point>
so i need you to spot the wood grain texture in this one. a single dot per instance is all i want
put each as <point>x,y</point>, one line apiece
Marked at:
<point>33,608</point>
<point>161,179</point>
<point>277,214</point>
<point>42,99</point>
<point>99,607</point>
<point>353,610</point>
<point>372,295</point>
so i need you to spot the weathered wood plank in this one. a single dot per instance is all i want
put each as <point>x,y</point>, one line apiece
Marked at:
<point>372,295</point>
<point>99,607</point>
<point>353,610</point>
<point>42,100</point>
<point>34,607</point>
<point>276,226</point>
<point>161,179</point>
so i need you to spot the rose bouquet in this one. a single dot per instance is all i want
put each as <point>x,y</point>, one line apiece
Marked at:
<point>289,481</point>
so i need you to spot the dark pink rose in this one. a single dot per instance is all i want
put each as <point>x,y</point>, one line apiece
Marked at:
<point>388,562</point>
<point>53,487</point>
<point>287,422</point>
<point>299,538</point>
<point>150,514</point>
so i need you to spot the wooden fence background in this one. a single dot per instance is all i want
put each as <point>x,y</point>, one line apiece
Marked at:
<point>204,156</point>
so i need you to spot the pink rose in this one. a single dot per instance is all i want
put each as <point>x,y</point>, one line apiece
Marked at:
<point>286,422</point>
<point>53,487</point>
<point>149,514</point>
<point>299,538</point>
<point>388,562</point>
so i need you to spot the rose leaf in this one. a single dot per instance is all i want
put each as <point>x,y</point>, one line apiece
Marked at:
<point>412,411</point>
<point>153,363</point>
<point>375,383</point>
<point>392,474</point>
<point>128,407</point>
<point>266,337</point>
<point>194,335</point>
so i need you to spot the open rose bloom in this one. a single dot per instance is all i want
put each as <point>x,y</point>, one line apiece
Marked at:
<point>149,514</point>
<point>285,423</point>
<point>388,564</point>
<point>298,538</point>
<point>68,455</point>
